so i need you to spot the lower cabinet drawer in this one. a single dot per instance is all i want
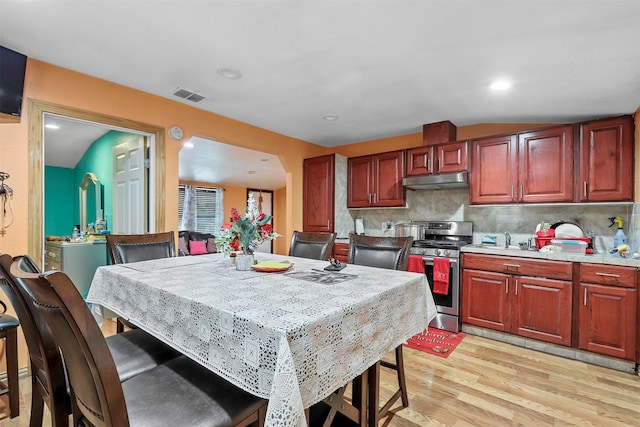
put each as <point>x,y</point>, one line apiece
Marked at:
<point>611,275</point>
<point>560,270</point>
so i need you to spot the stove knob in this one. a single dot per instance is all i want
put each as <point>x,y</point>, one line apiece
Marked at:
<point>436,252</point>
<point>447,252</point>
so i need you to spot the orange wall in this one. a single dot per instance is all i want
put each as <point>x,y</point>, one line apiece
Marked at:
<point>56,85</point>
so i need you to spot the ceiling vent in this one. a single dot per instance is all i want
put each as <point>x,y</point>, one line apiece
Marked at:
<point>188,95</point>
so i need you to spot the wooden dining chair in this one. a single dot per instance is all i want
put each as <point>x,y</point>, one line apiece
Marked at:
<point>312,245</point>
<point>391,253</point>
<point>48,382</point>
<point>133,352</point>
<point>124,248</point>
<point>179,392</point>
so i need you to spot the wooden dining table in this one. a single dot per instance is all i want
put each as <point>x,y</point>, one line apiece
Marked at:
<point>292,337</point>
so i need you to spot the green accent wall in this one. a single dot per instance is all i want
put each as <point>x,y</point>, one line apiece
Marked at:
<point>60,201</point>
<point>62,210</point>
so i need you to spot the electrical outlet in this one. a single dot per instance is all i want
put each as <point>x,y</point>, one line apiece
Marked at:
<point>387,225</point>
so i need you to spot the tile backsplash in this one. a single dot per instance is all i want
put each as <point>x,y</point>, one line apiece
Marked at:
<point>519,220</point>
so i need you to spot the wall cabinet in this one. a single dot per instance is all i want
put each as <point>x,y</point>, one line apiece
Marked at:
<point>607,310</point>
<point>78,260</point>
<point>503,293</point>
<point>443,158</point>
<point>606,160</point>
<point>420,161</point>
<point>531,167</point>
<point>376,180</point>
<point>318,201</point>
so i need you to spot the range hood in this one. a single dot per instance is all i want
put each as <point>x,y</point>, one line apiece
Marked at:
<point>437,182</point>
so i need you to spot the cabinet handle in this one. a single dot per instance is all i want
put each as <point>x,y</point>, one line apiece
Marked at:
<point>369,198</point>
<point>511,192</point>
<point>511,265</point>
<point>607,274</point>
<point>425,162</point>
<point>328,223</point>
<point>585,297</point>
<point>375,198</point>
<point>506,286</point>
<point>516,287</point>
<point>521,192</point>
<point>585,188</point>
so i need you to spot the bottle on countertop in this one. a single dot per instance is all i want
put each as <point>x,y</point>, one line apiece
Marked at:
<point>619,238</point>
<point>75,235</point>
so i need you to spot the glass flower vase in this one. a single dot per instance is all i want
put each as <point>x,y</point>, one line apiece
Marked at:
<point>244,262</point>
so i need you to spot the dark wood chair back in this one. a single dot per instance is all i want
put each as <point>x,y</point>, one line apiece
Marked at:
<point>97,396</point>
<point>383,252</point>
<point>312,245</point>
<point>125,248</point>
<point>48,380</point>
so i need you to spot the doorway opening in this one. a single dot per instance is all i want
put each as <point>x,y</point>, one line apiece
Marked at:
<point>37,112</point>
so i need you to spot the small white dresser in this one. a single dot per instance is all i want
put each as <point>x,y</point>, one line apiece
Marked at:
<point>78,260</point>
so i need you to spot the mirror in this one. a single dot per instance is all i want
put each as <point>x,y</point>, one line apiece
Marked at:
<point>91,201</point>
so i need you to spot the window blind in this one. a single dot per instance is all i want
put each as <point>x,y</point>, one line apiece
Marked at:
<point>208,215</point>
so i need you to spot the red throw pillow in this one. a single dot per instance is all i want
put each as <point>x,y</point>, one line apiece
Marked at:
<point>197,247</point>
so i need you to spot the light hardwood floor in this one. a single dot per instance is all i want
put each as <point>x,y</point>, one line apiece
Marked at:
<point>489,383</point>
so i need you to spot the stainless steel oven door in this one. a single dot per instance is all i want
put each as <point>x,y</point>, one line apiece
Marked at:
<point>449,303</point>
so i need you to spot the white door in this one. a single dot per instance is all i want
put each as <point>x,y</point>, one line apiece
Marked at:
<point>264,201</point>
<point>129,198</point>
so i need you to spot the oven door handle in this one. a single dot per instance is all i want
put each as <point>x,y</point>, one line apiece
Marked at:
<point>430,259</point>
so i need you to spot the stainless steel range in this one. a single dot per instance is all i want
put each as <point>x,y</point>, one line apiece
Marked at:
<point>443,239</point>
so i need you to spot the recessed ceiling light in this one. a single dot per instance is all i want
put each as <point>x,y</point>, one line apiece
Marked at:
<point>500,85</point>
<point>52,126</point>
<point>251,172</point>
<point>331,117</point>
<point>230,73</point>
<point>188,144</point>
<point>264,160</point>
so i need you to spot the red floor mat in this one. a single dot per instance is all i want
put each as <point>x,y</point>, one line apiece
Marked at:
<point>436,341</point>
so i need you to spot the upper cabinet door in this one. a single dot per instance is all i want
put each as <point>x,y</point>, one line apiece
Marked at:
<point>494,173</point>
<point>388,173</point>
<point>546,166</point>
<point>360,185</point>
<point>606,160</point>
<point>319,194</point>
<point>420,161</point>
<point>451,157</point>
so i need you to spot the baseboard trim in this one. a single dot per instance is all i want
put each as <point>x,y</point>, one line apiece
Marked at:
<point>557,350</point>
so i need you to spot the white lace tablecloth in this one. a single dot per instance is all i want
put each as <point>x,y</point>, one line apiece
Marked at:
<point>284,338</point>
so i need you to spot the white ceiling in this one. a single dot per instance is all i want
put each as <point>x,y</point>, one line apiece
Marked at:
<point>384,67</point>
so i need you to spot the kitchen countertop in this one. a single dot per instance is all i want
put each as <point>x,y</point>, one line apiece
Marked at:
<point>555,256</point>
